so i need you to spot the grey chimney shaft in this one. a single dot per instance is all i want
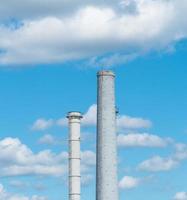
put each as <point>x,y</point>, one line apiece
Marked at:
<point>106,177</point>
<point>74,155</point>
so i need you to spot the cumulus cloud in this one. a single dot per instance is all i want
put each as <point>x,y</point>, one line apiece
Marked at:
<point>37,8</point>
<point>16,159</point>
<point>4,195</point>
<point>141,140</point>
<point>158,163</point>
<point>89,117</point>
<point>123,121</point>
<point>128,182</point>
<point>180,196</point>
<point>51,38</point>
<point>42,124</point>
<point>132,122</point>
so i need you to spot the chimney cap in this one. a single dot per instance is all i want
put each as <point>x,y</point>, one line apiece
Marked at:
<point>105,73</point>
<point>74,114</point>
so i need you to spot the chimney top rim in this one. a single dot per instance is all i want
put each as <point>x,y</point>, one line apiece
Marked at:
<point>105,73</point>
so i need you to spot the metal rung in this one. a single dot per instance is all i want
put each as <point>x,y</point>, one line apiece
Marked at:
<point>74,158</point>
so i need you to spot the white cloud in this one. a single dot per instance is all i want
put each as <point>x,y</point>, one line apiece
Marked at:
<point>35,197</point>
<point>87,179</point>
<point>141,140</point>
<point>180,196</point>
<point>18,184</point>
<point>16,159</point>
<point>48,139</point>
<point>88,136</point>
<point>62,122</point>
<point>88,161</point>
<point>128,182</point>
<point>181,151</point>
<point>50,38</point>
<point>132,122</point>
<point>123,121</point>
<point>89,118</point>
<point>4,195</point>
<point>38,8</point>
<point>157,163</point>
<point>88,158</point>
<point>42,124</point>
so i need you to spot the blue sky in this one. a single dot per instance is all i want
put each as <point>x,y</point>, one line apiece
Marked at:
<point>49,56</point>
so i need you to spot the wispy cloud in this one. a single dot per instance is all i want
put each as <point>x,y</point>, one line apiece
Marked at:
<point>180,196</point>
<point>49,139</point>
<point>42,124</point>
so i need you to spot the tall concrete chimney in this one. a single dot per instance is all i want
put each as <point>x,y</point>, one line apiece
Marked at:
<point>74,155</point>
<point>106,177</point>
